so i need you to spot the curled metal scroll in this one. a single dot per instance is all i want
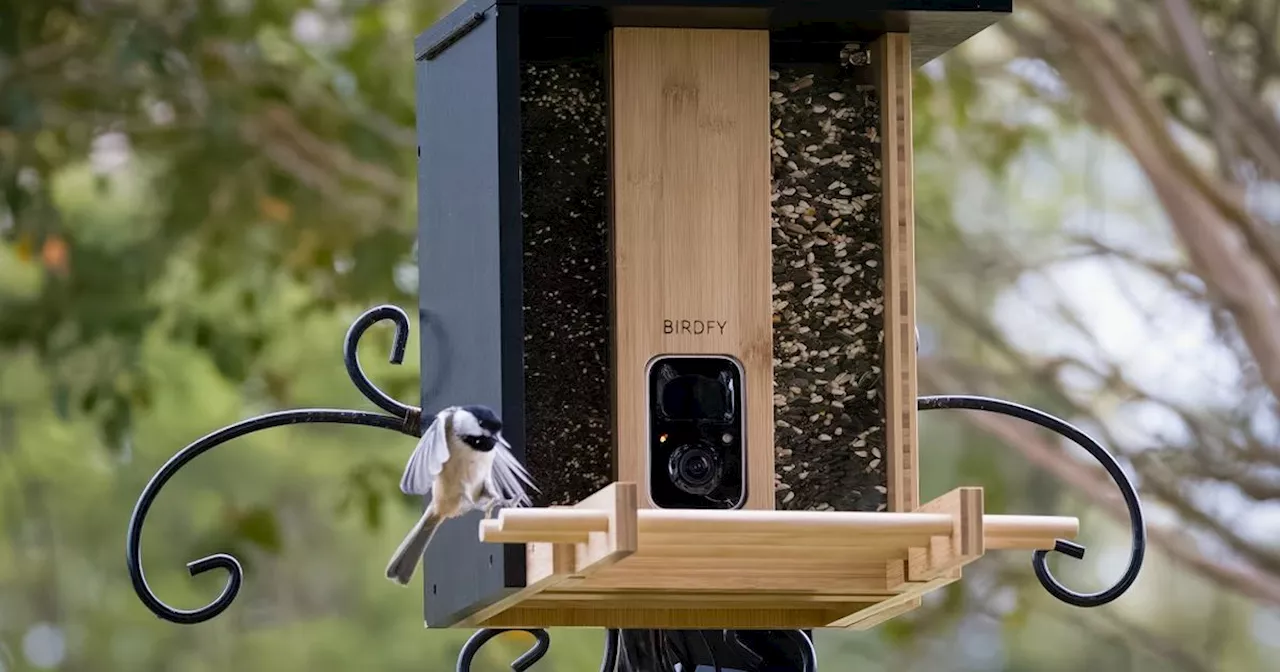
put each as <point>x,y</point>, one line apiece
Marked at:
<point>1039,562</point>
<point>524,662</point>
<point>608,662</point>
<point>403,418</point>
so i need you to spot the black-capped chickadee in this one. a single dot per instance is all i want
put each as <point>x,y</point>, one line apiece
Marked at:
<point>465,463</point>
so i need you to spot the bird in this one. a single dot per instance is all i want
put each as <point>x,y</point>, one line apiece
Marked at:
<point>464,462</point>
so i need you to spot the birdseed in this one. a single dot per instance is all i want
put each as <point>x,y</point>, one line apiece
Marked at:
<point>828,294</point>
<point>564,179</point>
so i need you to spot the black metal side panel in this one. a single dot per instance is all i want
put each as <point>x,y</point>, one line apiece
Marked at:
<point>469,252</point>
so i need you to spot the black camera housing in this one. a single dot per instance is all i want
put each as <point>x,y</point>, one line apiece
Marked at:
<point>696,432</point>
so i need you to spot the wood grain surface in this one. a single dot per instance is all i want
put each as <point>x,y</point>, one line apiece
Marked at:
<point>892,55</point>
<point>691,233</point>
<point>606,562</point>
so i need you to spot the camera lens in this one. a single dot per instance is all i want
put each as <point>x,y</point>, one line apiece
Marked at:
<point>695,469</point>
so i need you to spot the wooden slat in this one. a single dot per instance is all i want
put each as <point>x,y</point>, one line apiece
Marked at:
<point>621,535</point>
<point>624,617</point>
<point>778,552</point>
<point>903,601</point>
<point>881,612</point>
<point>875,541</point>
<point>898,581</point>
<point>548,565</point>
<point>602,548</point>
<point>962,546</point>
<point>691,235</point>
<point>891,54</point>
<point>571,591</point>
<point>756,564</point>
<point>678,578</point>
<point>798,523</point>
<point>554,564</point>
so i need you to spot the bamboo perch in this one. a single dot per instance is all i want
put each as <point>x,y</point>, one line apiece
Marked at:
<point>555,519</point>
<point>798,528</point>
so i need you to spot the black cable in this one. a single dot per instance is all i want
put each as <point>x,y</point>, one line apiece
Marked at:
<point>1038,560</point>
<point>678,644</point>
<point>711,652</point>
<point>808,653</point>
<point>754,659</point>
<point>609,660</point>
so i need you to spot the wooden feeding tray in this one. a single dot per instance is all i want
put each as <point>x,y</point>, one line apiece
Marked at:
<point>607,562</point>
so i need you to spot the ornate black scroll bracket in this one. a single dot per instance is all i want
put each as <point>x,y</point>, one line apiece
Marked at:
<point>542,643</point>
<point>1039,561</point>
<point>526,660</point>
<point>400,418</point>
<point>662,650</point>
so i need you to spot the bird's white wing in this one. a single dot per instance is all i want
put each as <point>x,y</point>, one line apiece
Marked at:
<point>428,458</point>
<point>509,480</point>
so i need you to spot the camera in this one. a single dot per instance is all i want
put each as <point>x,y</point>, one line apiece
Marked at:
<point>696,444</point>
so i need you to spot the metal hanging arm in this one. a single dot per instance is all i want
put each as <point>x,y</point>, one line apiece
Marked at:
<point>1039,563</point>
<point>404,419</point>
<point>524,662</point>
<point>350,357</point>
<point>608,663</point>
<point>673,644</point>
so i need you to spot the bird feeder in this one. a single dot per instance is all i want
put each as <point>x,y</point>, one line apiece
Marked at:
<point>608,187</point>
<point>655,233</point>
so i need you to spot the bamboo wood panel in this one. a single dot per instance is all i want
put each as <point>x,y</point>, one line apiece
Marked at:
<point>965,543</point>
<point>680,619</point>
<point>875,614</point>
<point>691,232</point>
<point>891,54</point>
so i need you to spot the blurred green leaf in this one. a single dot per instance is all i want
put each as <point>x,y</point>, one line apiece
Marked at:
<point>258,526</point>
<point>372,508</point>
<point>897,631</point>
<point>195,198</point>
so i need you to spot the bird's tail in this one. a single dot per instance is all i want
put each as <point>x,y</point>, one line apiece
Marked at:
<point>405,560</point>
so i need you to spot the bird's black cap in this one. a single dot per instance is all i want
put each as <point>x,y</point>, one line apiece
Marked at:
<point>485,416</point>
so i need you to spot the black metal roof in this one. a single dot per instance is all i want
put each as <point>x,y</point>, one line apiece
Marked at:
<point>936,26</point>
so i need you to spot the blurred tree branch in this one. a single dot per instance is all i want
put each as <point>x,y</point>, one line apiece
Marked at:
<point>1167,79</point>
<point>1239,261</point>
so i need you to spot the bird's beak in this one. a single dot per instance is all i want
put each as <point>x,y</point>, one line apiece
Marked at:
<point>501,440</point>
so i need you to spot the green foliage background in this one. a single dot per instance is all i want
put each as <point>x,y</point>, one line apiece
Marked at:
<point>210,272</point>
